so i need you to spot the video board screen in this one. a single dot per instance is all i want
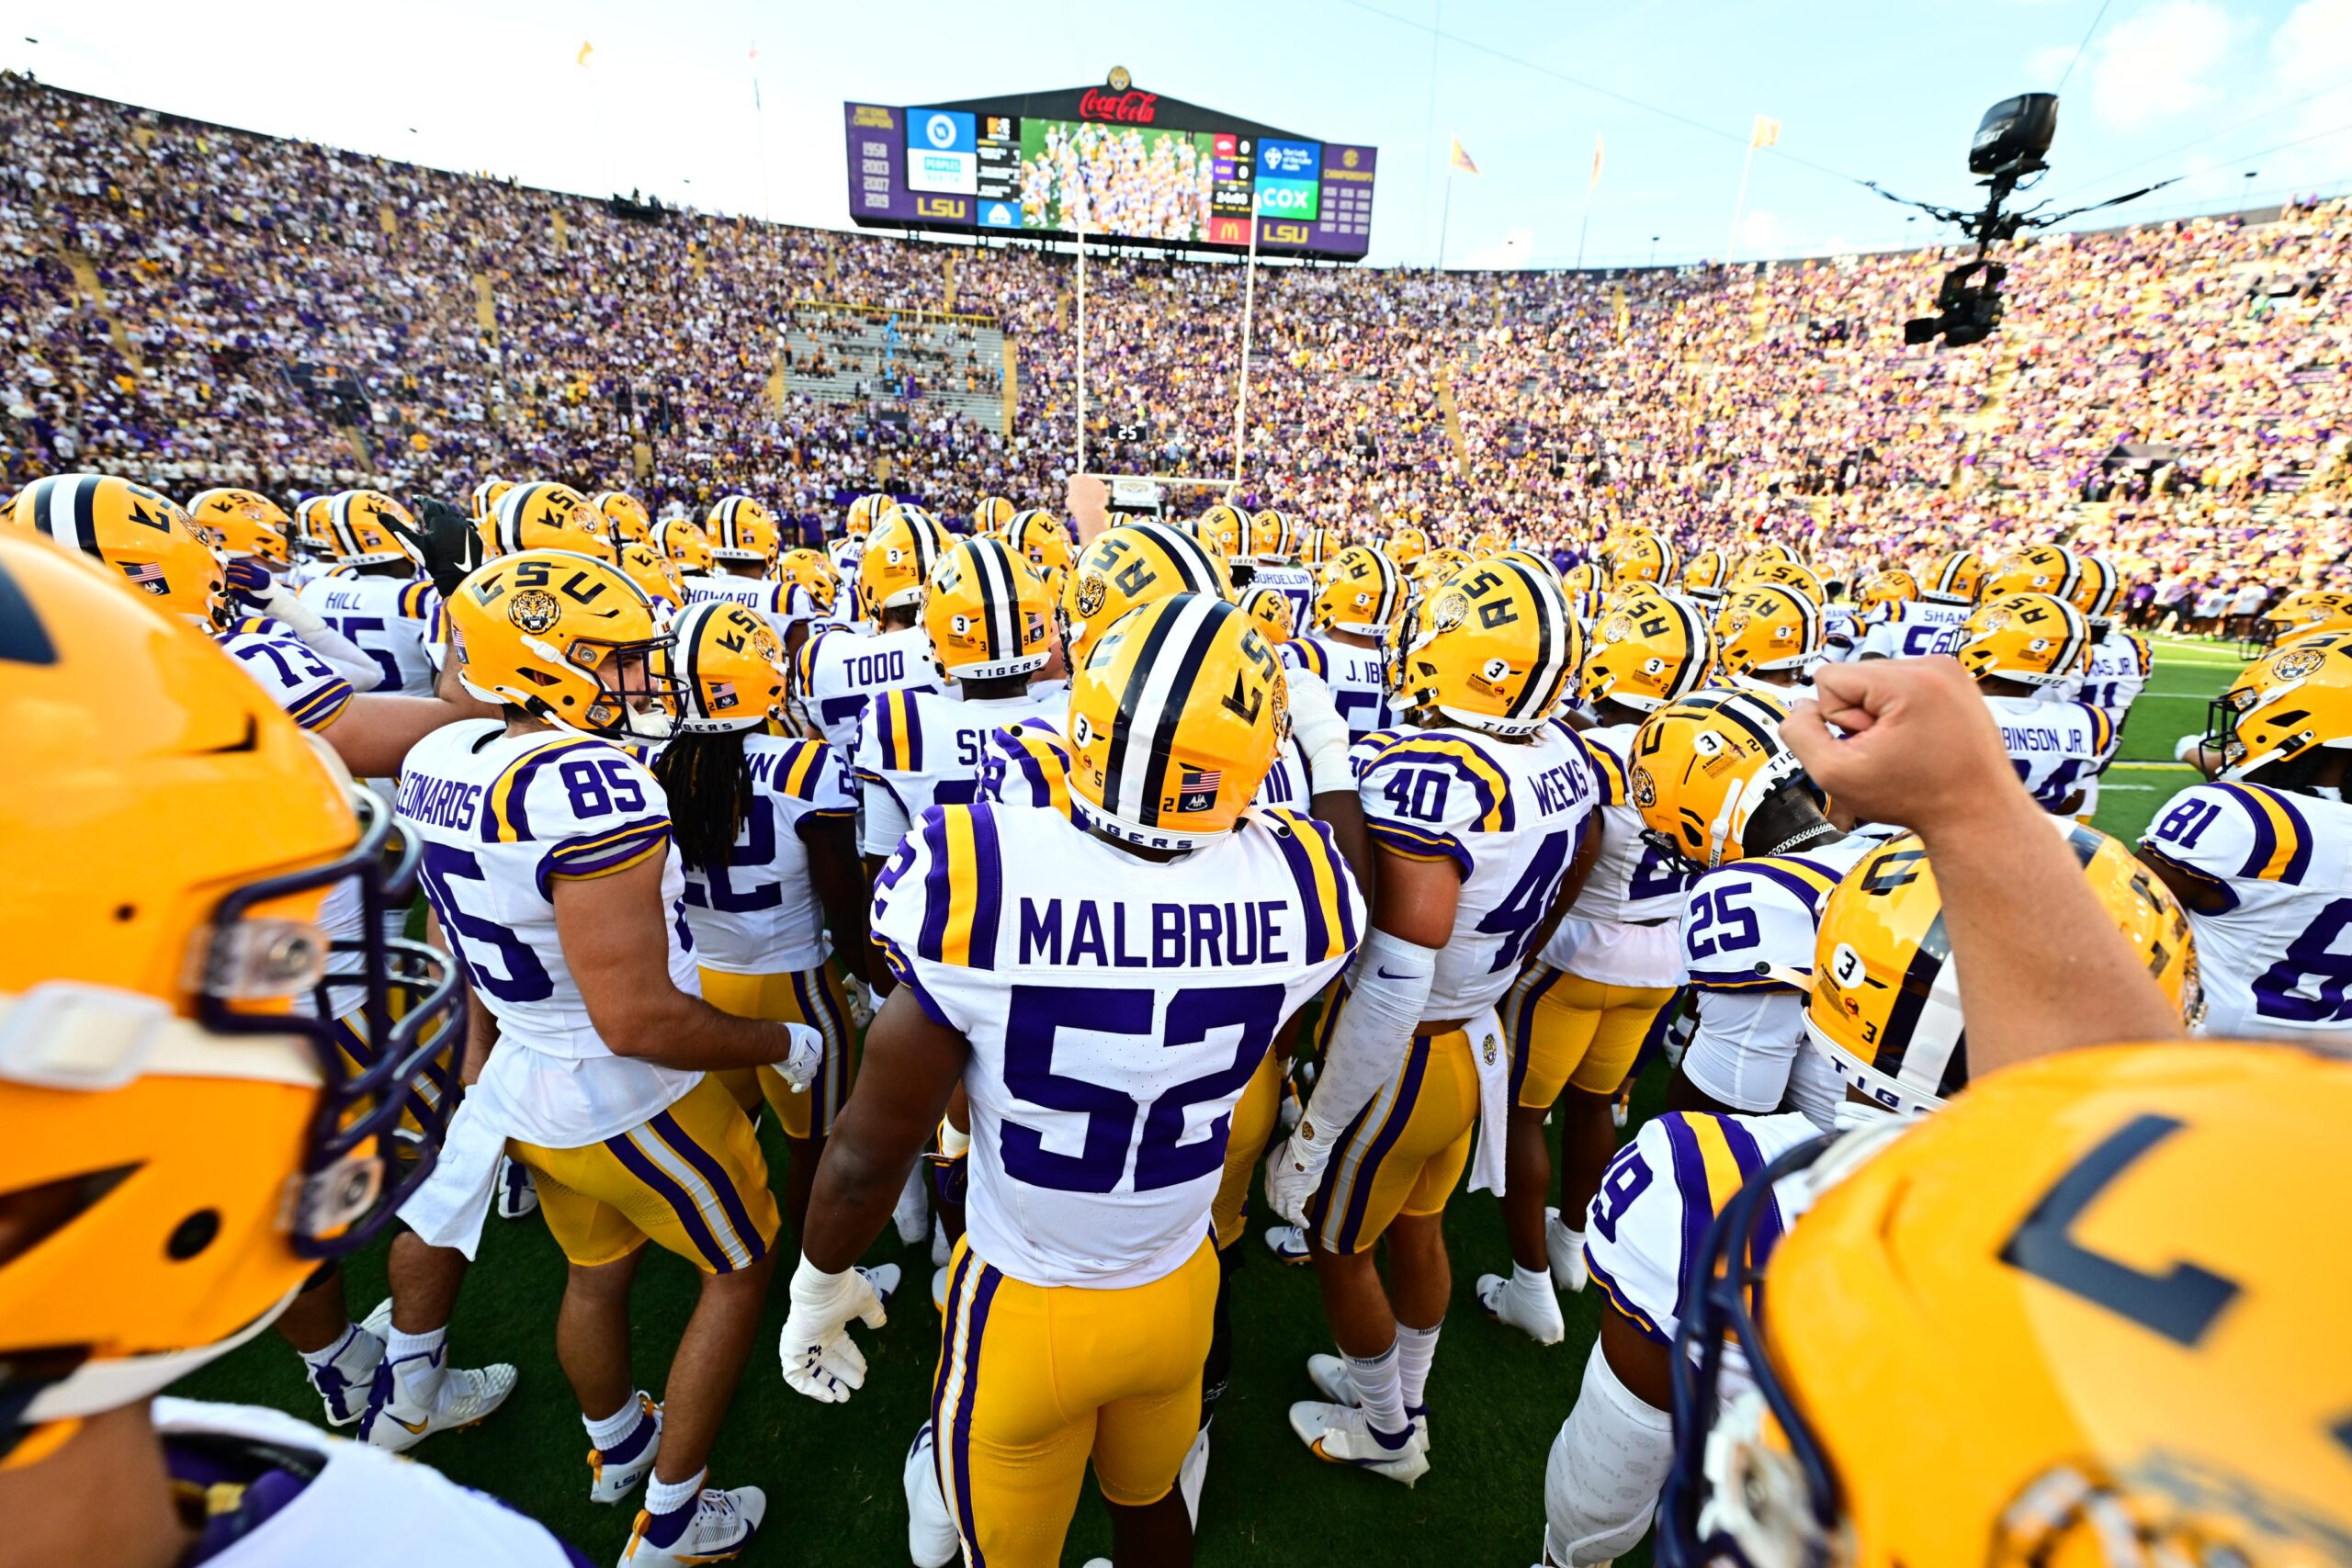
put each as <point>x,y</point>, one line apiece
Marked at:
<point>1133,164</point>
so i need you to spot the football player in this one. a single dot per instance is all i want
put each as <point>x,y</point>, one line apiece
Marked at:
<point>378,594</point>
<point>866,513</point>
<point>2263,855</point>
<point>1768,637</point>
<point>2017,648</point>
<point>1355,613</point>
<point>744,548</point>
<point>253,537</point>
<point>244,524</point>
<point>1913,628</point>
<point>1577,1014</point>
<point>1276,538</point>
<point>1706,577</point>
<point>1480,815</point>
<point>1104,988</point>
<point>766,831</point>
<point>550,859</point>
<point>137,1243</point>
<point>1715,785</point>
<point>841,670</point>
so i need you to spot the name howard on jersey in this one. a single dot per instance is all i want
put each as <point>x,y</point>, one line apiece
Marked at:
<point>1181,936</point>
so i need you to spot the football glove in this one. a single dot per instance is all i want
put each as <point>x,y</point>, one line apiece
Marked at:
<point>819,1358</point>
<point>799,1065</point>
<point>1295,1169</point>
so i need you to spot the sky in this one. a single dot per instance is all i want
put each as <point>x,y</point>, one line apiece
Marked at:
<point>735,106</point>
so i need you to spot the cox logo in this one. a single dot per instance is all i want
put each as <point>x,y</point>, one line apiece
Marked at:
<point>1286,197</point>
<point>940,130</point>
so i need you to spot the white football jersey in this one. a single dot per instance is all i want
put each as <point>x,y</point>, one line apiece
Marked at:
<point>1622,929</point>
<point>396,621</point>
<point>841,671</point>
<point>2119,672</point>
<point>1841,633</point>
<point>1509,816</point>
<point>1357,676</point>
<point>1287,782</point>
<point>1914,630</point>
<point>781,604</point>
<point>1296,584</point>
<point>759,913</point>
<point>361,1509</point>
<point>916,749</point>
<point>2276,961</point>
<point>1116,1007</point>
<point>1646,1230</point>
<point>2056,747</point>
<point>297,680</point>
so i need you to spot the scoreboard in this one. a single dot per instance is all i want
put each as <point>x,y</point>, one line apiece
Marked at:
<point>1113,160</point>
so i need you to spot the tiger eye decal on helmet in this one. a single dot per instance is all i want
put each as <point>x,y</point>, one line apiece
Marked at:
<point>1492,649</point>
<point>1133,564</point>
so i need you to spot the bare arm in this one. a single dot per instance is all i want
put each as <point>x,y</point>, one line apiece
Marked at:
<point>912,1066</point>
<point>2042,967</point>
<point>841,882</point>
<point>1418,897</point>
<point>614,932</point>
<point>376,730</point>
<point>1341,811</point>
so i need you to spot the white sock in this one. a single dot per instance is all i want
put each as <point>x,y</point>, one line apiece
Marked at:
<point>1530,1280</point>
<point>398,1347</point>
<point>1381,1389</point>
<point>317,1358</point>
<point>1416,1349</point>
<point>613,1429</point>
<point>417,1363</point>
<point>669,1496</point>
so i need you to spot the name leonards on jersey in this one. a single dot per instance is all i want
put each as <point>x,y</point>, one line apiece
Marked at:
<point>1184,936</point>
<point>445,803</point>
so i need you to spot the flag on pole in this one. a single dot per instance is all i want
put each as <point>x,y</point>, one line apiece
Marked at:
<point>1461,159</point>
<point>1596,161</point>
<point>1765,134</point>
<point>585,50</point>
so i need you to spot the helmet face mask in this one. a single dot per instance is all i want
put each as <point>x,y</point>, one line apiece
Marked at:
<point>570,640</point>
<point>2283,712</point>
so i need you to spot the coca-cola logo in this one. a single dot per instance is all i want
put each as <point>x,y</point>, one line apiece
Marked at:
<point>1122,109</point>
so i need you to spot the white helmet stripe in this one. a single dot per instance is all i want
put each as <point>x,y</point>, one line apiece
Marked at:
<point>1165,680</point>
<point>1552,646</point>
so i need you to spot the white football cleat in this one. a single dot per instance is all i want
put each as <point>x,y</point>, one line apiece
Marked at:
<point>399,1418</point>
<point>613,1480</point>
<point>941,1277</point>
<point>343,1383</point>
<point>1339,1434</point>
<point>722,1526</point>
<point>1332,1379</point>
<point>912,1214</point>
<point>1536,1313</point>
<point>932,1541</point>
<point>517,1195</point>
<point>1288,1243</point>
<point>1566,1249</point>
<point>884,1277</point>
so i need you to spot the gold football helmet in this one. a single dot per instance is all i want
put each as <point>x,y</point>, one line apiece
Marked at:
<point>1584,577</point>
<point>1132,564</point>
<point>1533,562</point>
<point>898,556</point>
<point>2100,1315</point>
<point>569,639</point>
<point>483,501</point>
<point>1405,545</point>
<point>1315,546</point>
<point>809,571</point>
<point>1488,542</point>
<point>987,613</point>
<point>1648,649</point>
<point>990,517</point>
<point>1173,763</point>
<point>186,1140</point>
<point>2101,586</point>
<point>865,513</point>
<point>370,528</point>
<point>1274,536</point>
<point>1764,628</point>
<point>243,522</point>
<point>1953,579</point>
<point>741,530</point>
<point>1885,1007</point>
<point>1493,649</point>
<point>1644,556</point>
<point>1884,590</point>
<point>1701,767</point>
<point>1787,573</point>
<point>730,668</point>
<point>1270,608</point>
<point>140,536</point>
<point>542,516</point>
<point>626,519</point>
<point>2313,612</point>
<point>2035,569</point>
<point>1437,568</point>
<point>2029,637</point>
<point>1774,552</point>
<point>1363,593</point>
<point>1707,575</point>
<point>1043,540</point>
<point>2282,711</point>
<point>653,572</point>
<point>1224,531</point>
<point>683,540</point>
<point>310,532</point>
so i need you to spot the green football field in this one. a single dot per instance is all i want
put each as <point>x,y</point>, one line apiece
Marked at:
<point>832,1472</point>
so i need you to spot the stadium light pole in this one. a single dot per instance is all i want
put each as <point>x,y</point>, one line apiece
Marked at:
<point>1248,304</point>
<point>1081,344</point>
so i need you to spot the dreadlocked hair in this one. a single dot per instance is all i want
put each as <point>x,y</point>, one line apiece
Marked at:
<point>708,781</point>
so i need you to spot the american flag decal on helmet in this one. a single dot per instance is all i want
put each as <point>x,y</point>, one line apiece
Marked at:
<point>1196,789</point>
<point>147,574</point>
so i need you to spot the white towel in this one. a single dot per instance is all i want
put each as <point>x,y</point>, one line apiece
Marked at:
<point>1492,1054</point>
<point>448,1210</point>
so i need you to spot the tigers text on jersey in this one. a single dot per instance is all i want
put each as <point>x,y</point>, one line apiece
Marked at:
<point>1357,676</point>
<point>297,680</point>
<point>841,670</point>
<point>1915,629</point>
<point>1116,1008</point>
<point>916,749</point>
<point>2054,747</point>
<point>360,1507</point>
<point>2275,961</point>
<point>1296,585</point>
<point>502,818</point>
<point>1622,929</point>
<point>759,914</point>
<point>2119,672</point>
<point>1509,816</point>
<point>393,620</point>
<point>1645,1231</point>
